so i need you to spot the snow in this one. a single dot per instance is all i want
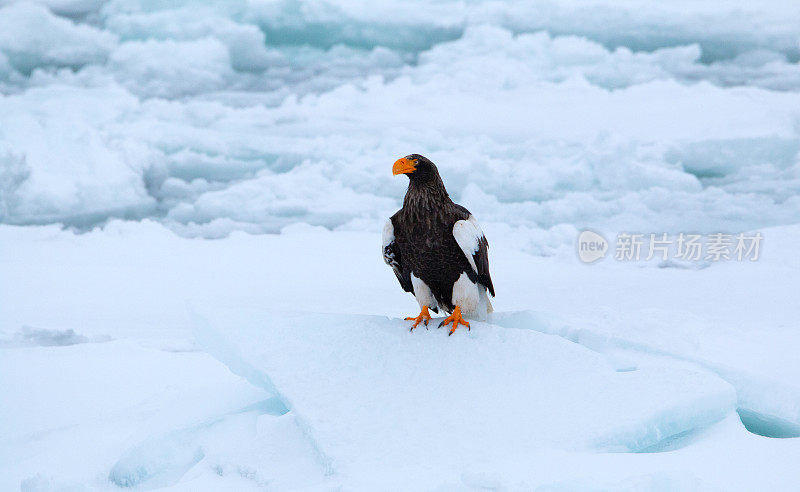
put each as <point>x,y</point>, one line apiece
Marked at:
<point>210,116</point>
<point>493,395</point>
<point>172,68</point>
<point>33,37</point>
<point>175,371</point>
<point>191,293</point>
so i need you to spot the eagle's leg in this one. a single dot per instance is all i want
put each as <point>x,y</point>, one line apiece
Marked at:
<point>424,315</point>
<point>456,319</point>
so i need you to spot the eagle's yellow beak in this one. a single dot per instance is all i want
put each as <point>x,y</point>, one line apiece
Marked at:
<point>403,166</point>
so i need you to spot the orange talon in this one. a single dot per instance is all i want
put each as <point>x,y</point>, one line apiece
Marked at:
<point>423,315</point>
<point>456,319</point>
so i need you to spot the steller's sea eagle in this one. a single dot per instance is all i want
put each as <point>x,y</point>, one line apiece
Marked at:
<point>437,249</point>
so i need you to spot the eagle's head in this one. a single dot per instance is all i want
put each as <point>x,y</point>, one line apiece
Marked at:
<point>418,168</point>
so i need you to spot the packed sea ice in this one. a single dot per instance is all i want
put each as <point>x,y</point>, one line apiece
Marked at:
<point>191,200</point>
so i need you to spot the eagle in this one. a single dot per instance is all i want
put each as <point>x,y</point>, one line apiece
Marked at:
<point>436,249</point>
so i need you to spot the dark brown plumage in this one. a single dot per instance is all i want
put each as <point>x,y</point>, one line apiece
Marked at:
<point>429,240</point>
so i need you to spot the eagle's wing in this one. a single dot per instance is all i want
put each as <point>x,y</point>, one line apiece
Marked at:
<point>473,243</point>
<point>393,258</point>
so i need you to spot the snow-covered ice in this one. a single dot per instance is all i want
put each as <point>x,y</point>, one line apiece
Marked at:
<point>213,117</point>
<point>407,408</point>
<point>191,200</point>
<point>572,384</point>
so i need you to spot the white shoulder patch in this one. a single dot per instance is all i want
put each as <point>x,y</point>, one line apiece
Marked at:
<point>468,234</point>
<point>388,233</point>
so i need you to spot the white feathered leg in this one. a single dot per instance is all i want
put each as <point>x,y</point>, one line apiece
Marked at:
<point>471,298</point>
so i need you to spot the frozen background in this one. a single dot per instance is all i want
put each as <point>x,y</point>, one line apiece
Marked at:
<point>165,162</point>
